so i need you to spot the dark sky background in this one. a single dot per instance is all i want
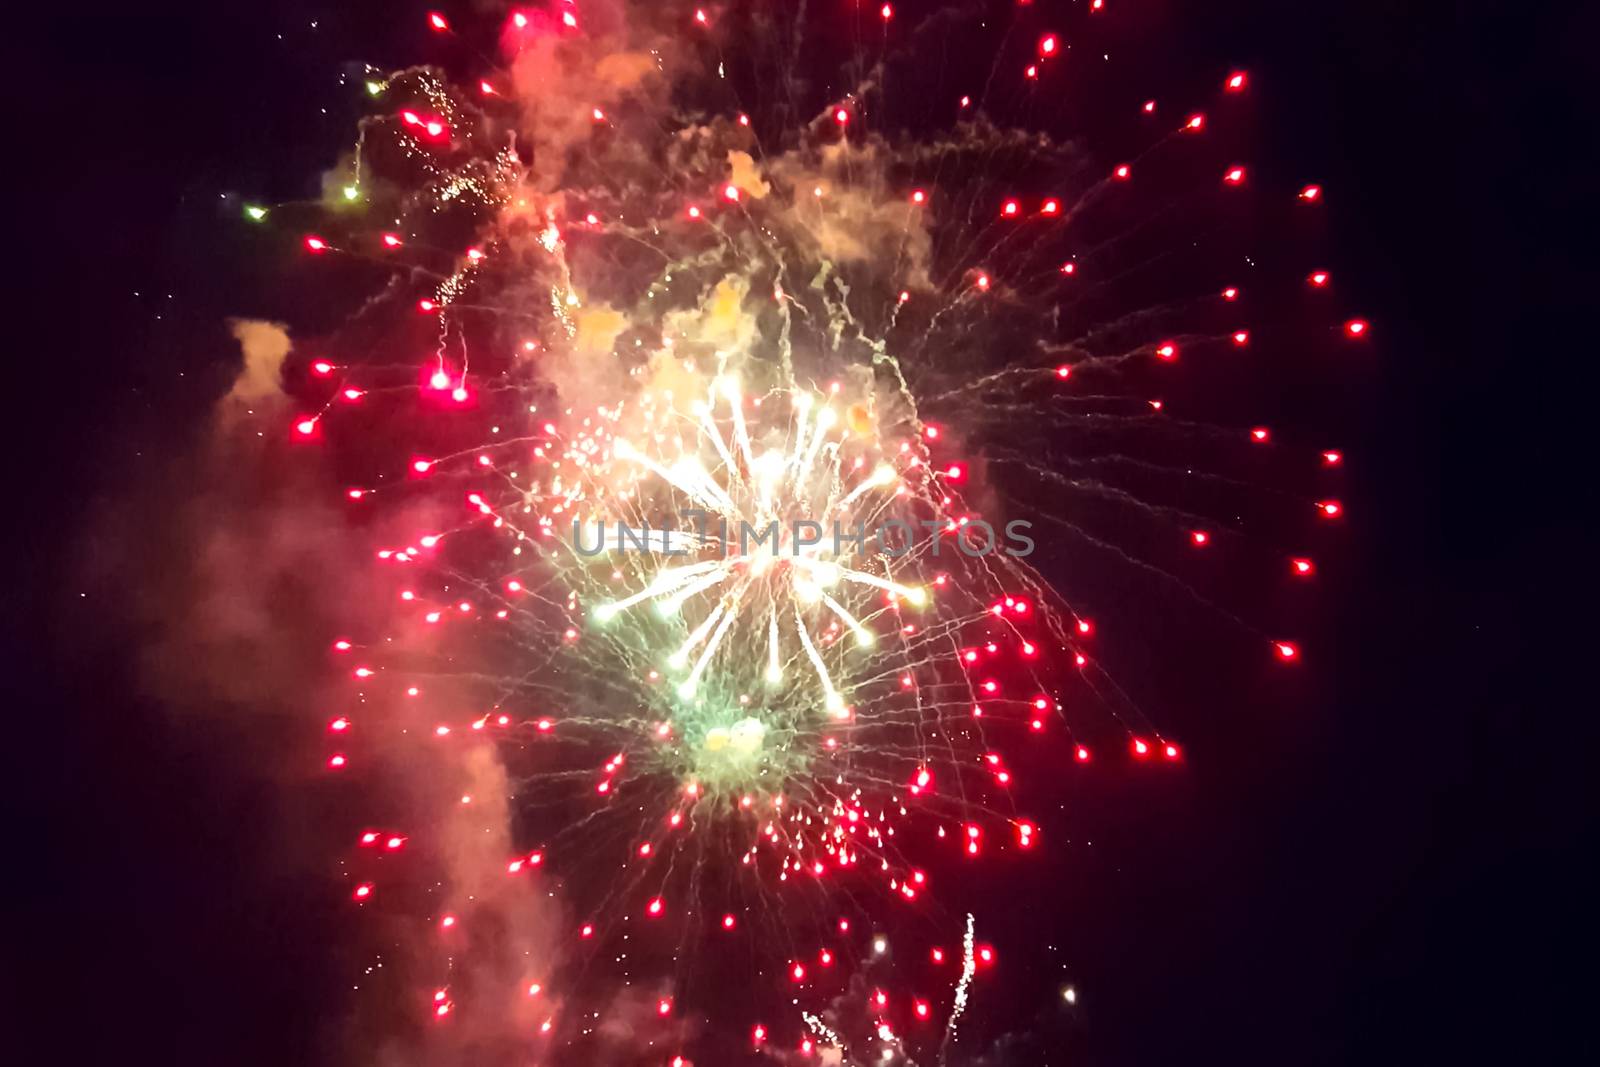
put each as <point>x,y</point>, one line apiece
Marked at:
<point>1395,879</point>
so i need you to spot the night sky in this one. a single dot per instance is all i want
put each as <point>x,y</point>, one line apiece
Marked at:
<point>1379,863</point>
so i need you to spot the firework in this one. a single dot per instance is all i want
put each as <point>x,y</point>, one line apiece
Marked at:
<point>696,449</point>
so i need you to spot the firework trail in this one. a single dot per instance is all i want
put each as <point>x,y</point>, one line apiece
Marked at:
<point>705,448</point>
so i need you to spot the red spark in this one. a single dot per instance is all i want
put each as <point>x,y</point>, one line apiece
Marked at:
<point>1047,45</point>
<point>316,244</point>
<point>1260,434</point>
<point>1332,459</point>
<point>1331,509</point>
<point>437,21</point>
<point>1302,567</point>
<point>1311,192</point>
<point>1318,278</point>
<point>1356,328</point>
<point>1236,81</point>
<point>1235,176</point>
<point>1286,650</point>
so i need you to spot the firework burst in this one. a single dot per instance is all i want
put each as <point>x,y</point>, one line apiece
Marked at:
<point>672,495</point>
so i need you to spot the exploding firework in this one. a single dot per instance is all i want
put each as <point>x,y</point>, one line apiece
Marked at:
<point>707,451</point>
